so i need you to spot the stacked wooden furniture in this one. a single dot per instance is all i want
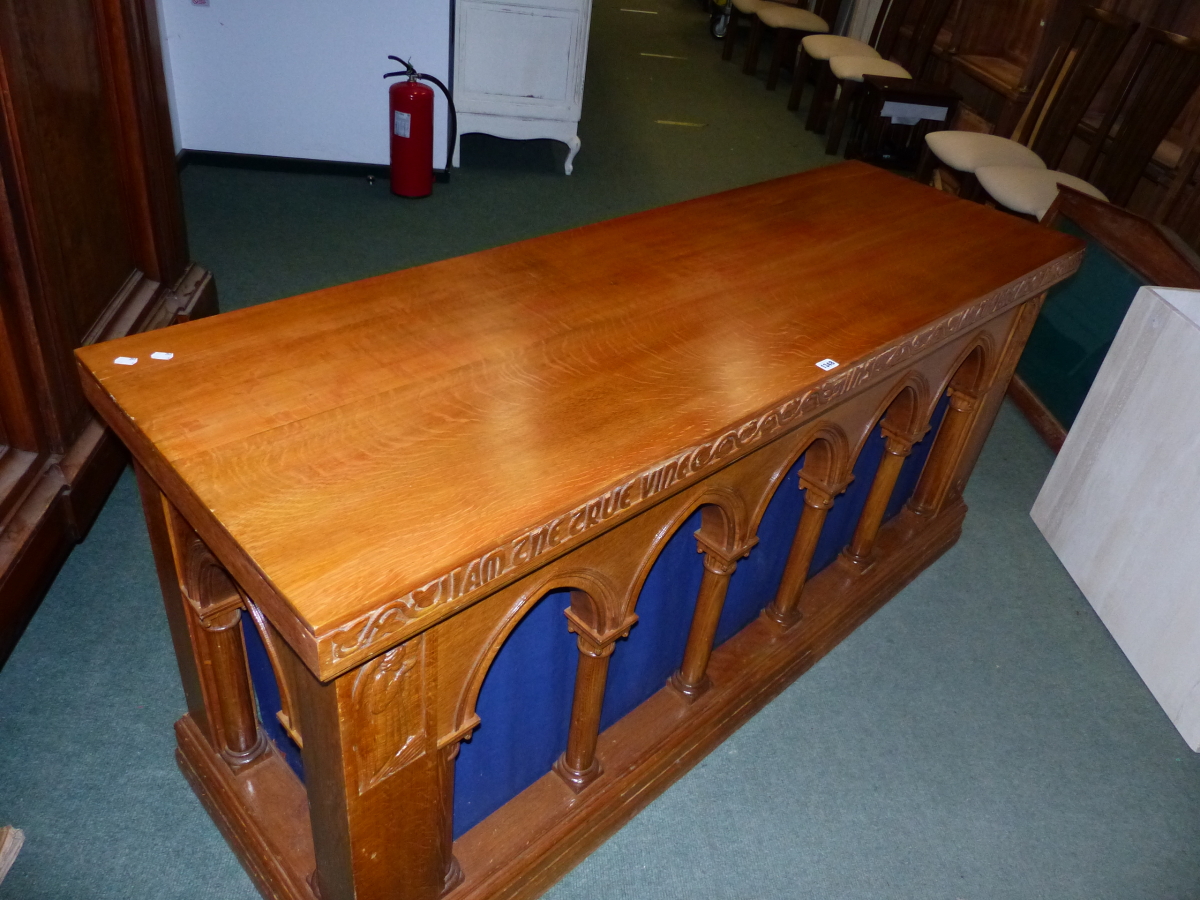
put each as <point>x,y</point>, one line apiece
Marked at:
<point>521,436</point>
<point>92,247</point>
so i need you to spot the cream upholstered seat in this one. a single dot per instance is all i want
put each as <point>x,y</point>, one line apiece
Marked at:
<point>853,68</point>
<point>776,15</point>
<point>749,7</point>
<point>1028,190</point>
<point>968,151</point>
<point>827,46</point>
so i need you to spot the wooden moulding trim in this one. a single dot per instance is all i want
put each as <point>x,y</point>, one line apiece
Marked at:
<point>344,646</point>
<point>537,837</point>
<point>1043,421</point>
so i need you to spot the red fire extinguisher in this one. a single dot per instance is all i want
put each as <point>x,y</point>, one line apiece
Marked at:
<point>411,106</point>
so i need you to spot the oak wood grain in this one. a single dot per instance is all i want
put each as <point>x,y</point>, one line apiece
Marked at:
<point>361,442</point>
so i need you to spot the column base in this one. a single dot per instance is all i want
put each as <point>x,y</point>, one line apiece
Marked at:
<point>781,621</point>
<point>575,779</point>
<point>689,692</point>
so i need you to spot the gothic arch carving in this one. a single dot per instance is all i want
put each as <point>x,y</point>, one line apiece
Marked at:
<point>594,592</point>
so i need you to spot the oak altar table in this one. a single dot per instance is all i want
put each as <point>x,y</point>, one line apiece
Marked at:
<point>635,478</point>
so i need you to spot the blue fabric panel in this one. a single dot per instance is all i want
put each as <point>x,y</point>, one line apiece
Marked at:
<point>754,582</point>
<point>266,694</point>
<point>641,663</point>
<point>910,472</point>
<point>847,507</point>
<point>524,709</point>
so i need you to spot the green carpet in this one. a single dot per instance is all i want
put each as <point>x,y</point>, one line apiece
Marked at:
<point>980,737</point>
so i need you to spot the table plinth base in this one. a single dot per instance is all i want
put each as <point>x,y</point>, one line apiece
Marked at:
<point>262,811</point>
<point>542,833</point>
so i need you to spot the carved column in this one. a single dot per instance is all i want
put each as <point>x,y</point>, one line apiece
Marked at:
<point>242,741</point>
<point>380,788</point>
<point>691,679</point>
<point>578,766</point>
<point>896,450</point>
<point>214,610</point>
<point>784,610</point>
<point>938,475</point>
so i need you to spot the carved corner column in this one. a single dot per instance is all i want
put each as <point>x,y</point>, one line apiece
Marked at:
<point>784,610</point>
<point>380,788</point>
<point>212,610</point>
<point>897,448</point>
<point>937,478</point>
<point>579,766</point>
<point>691,678</point>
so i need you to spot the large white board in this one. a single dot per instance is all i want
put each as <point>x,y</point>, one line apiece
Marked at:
<point>1121,506</point>
<point>297,78</point>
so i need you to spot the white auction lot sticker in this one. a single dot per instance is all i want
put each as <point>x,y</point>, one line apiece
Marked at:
<point>827,364</point>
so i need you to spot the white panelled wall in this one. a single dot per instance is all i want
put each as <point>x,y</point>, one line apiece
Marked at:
<point>297,78</point>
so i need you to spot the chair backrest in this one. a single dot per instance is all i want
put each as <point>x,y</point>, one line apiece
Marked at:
<point>925,31</point>
<point>1072,80</point>
<point>827,10</point>
<point>1161,82</point>
<point>886,30</point>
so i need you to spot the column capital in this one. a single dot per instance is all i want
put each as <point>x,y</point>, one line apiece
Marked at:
<point>219,616</point>
<point>719,560</point>
<point>818,494</point>
<point>961,401</point>
<point>597,644</point>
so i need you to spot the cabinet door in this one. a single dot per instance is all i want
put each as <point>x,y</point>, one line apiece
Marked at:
<point>516,60</point>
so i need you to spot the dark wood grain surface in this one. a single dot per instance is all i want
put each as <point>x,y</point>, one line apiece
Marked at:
<point>359,443</point>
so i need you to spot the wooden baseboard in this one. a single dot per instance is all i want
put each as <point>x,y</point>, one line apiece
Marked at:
<point>1031,406</point>
<point>541,834</point>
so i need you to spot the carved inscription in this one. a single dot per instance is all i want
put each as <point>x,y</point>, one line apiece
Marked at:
<point>378,627</point>
<point>387,697</point>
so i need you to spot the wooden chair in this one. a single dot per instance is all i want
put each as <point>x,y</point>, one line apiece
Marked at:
<point>1071,82</point>
<point>739,8</point>
<point>820,48</point>
<point>789,22</point>
<point>849,71</point>
<point>1162,81</point>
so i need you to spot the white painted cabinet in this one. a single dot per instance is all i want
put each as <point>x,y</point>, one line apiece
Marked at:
<point>518,69</point>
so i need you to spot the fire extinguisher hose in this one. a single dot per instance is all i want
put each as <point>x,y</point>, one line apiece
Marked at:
<point>414,75</point>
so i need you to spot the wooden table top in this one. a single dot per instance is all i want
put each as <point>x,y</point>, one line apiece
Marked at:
<point>381,450</point>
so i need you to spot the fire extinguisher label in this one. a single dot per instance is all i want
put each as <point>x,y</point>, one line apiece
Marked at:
<point>402,124</point>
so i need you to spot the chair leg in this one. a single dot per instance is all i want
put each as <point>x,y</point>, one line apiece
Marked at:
<point>822,97</point>
<point>777,52</point>
<point>927,164</point>
<point>730,33</point>
<point>798,77</point>
<point>969,188</point>
<point>840,114</point>
<point>750,66</point>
